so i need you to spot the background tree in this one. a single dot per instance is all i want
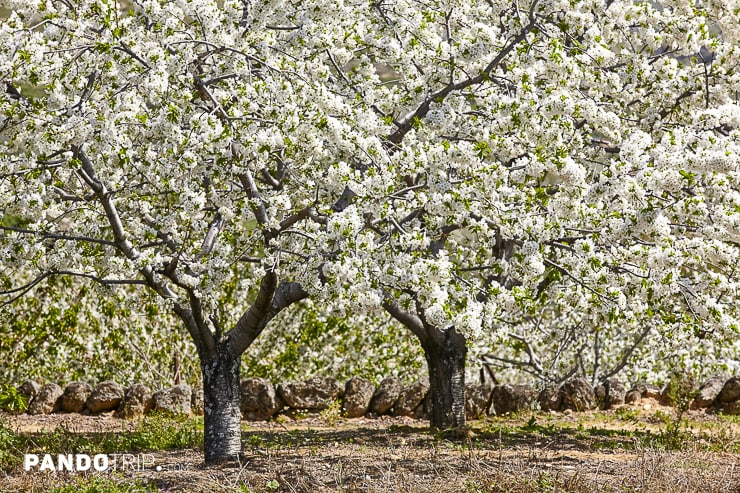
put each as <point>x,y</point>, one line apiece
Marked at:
<point>313,339</point>
<point>69,329</point>
<point>553,168</point>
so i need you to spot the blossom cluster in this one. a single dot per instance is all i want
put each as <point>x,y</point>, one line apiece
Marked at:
<point>557,180</point>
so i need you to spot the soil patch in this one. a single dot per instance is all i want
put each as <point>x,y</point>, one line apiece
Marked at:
<point>536,452</point>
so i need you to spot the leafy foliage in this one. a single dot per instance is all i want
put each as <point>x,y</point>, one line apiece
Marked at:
<point>11,400</point>
<point>305,343</point>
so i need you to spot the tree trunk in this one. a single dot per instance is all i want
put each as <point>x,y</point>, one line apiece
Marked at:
<point>222,413</point>
<point>446,363</point>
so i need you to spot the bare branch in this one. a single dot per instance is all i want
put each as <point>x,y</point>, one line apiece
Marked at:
<point>271,299</point>
<point>210,239</point>
<point>57,236</point>
<point>255,199</point>
<point>21,291</point>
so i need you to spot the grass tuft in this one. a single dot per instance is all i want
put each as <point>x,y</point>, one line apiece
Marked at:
<point>154,432</point>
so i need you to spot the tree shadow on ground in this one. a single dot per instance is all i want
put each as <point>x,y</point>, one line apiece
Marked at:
<point>491,437</point>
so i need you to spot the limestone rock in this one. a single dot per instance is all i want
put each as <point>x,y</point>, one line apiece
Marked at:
<point>730,391</point>
<point>358,392</point>
<point>424,409</point>
<point>314,394</point>
<point>509,399</point>
<point>550,398</point>
<point>633,397</point>
<point>174,401</point>
<point>47,400</point>
<point>578,395</point>
<point>708,392</point>
<point>648,390</point>
<point>105,397</point>
<point>75,396</point>
<point>197,404</point>
<point>137,401</point>
<point>259,399</point>
<point>411,396</point>
<point>477,399</point>
<point>731,409</point>
<point>615,393</point>
<point>29,389</point>
<point>600,394</point>
<point>386,395</point>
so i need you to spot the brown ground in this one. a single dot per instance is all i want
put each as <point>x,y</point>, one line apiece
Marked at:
<point>580,452</point>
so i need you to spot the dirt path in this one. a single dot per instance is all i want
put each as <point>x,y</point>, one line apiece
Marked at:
<point>584,452</point>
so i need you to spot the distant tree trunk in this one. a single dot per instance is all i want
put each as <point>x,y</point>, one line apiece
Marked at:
<point>445,351</point>
<point>446,363</point>
<point>221,403</point>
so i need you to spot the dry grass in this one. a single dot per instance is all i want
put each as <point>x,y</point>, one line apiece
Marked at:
<point>581,454</point>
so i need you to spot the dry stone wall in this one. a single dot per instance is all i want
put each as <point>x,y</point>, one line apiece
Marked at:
<point>262,400</point>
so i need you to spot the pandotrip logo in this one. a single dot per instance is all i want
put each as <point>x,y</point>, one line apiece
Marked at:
<point>95,463</point>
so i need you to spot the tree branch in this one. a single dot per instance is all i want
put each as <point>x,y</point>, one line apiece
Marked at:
<point>272,298</point>
<point>255,199</point>
<point>210,240</point>
<point>405,123</point>
<point>252,322</point>
<point>409,320</point>
<point>57,236</point>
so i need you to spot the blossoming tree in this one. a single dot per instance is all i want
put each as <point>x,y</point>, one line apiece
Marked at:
<point>452,163</point>
<point>170,147</point>
<point>553,168</point>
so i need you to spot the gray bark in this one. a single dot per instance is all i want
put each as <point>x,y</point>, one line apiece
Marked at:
<point>446,364</point>
<point>222,413</point>
<point>445,352</point>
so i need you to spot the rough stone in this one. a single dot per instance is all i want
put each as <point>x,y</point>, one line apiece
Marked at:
<point>600,394</point>
<point>648,390</point>
<point>424,409</point>
<point>260,401</point>
<point>314,394</point>
<point>105,397</point>
<point>358,392</point>
<point>578,395</point>
<point>197,403</point>
<point>679,391</point>
<point>174,401</point>
<point>730,391</point>
<point>633,397</point>
<point>420,412</point>
<point>509,399</point>
<point>615,393</point>
<point>47,400</point>
<point>29,389</point>
<point>75,396</point>
<point>477,399</point>
<point>550,398</point>
<point>137,401</point>
<point>708,392</point>
<point>731,408</point>
<point>411,396</point>
<point>386,395</point>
